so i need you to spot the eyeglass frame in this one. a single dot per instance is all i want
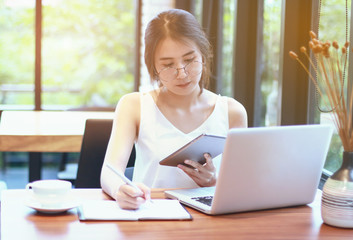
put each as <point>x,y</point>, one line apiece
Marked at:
<point>177,69</point>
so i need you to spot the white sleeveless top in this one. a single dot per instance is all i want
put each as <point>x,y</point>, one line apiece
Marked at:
<point>158,138</point>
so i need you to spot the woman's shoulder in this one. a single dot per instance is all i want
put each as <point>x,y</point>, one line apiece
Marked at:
<point>234,104</point>
<point>134,98</point>
<point>130,97</point>
<point>236,113</point>
<point>125,103</point>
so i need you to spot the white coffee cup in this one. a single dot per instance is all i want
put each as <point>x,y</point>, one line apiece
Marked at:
<point>50,193</point>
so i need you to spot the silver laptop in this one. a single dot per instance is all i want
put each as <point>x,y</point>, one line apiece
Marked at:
<point>264,168</point>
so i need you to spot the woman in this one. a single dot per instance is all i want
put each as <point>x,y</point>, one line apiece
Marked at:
<point>177,56</point>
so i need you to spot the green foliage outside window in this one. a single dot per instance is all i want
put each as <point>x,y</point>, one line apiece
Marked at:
<point>88,46</point>
<point>228,44</point>
<point>88,50</point>
<point>16,52</point>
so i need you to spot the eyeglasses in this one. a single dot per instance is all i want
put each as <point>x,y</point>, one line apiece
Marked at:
<point>191,69</point>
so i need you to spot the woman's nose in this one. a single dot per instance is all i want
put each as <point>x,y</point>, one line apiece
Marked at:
<point>181,72</point>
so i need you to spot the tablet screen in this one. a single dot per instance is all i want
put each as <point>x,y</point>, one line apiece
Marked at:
<point>195,149</point>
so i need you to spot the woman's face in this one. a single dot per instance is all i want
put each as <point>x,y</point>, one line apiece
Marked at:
<point>179,66</point>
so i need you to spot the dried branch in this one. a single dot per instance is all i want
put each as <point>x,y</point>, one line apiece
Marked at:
<point>331,62</point>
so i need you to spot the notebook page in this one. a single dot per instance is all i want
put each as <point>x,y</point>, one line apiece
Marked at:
<point>163,209</point>
<point>109,210</point>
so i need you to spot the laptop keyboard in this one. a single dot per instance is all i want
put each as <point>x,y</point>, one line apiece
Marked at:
<point>205,200</point>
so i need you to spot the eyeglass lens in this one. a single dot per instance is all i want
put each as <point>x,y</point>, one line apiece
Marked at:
<point>191,70</point>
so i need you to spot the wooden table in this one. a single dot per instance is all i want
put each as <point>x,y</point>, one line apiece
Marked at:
<point>303,222</point>
<point>43,131</point>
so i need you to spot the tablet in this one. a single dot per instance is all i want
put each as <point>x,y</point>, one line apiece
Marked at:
<point>195,149</point>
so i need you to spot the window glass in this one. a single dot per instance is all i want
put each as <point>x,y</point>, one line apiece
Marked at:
<point>270,62</point>
<point>332,27</point>
<point>88,52</point>
<point>228,42</point>
<point>198,10</point>
<point>150,9</point>
<point>17,54</point>
<point>228,46</point>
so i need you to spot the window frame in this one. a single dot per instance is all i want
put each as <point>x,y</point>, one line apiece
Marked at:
<point>38,51</point>
<point>297,103</point>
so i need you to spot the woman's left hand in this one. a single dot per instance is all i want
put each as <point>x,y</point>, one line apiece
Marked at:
<point>203,175</point>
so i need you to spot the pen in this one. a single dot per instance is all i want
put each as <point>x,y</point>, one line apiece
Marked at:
<point>125,179</point>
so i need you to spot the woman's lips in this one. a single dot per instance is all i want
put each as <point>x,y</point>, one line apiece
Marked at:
<point>184,85</point>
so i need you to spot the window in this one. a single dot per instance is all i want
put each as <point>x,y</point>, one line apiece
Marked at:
<point>150,8</point>
<point>87,52</point>
<point>227,47</point>
<point>332,26</point>
<point>270,61</point>
<point>285,26</point>
<point>17,53</point>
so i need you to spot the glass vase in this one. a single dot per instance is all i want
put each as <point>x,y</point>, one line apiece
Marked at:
<point>337,196</point>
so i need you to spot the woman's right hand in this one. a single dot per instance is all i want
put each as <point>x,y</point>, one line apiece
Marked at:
<point>129,198</point>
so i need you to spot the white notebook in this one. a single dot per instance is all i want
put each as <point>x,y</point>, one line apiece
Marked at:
<point>158,209</point>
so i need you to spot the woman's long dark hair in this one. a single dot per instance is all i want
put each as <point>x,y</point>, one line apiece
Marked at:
<point>181,26</point>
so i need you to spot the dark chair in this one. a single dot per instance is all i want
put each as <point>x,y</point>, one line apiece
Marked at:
<point>94,145</point>
<point>64,162</point>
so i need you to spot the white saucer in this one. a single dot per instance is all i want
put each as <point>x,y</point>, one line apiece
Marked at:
<point>63,207</point>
